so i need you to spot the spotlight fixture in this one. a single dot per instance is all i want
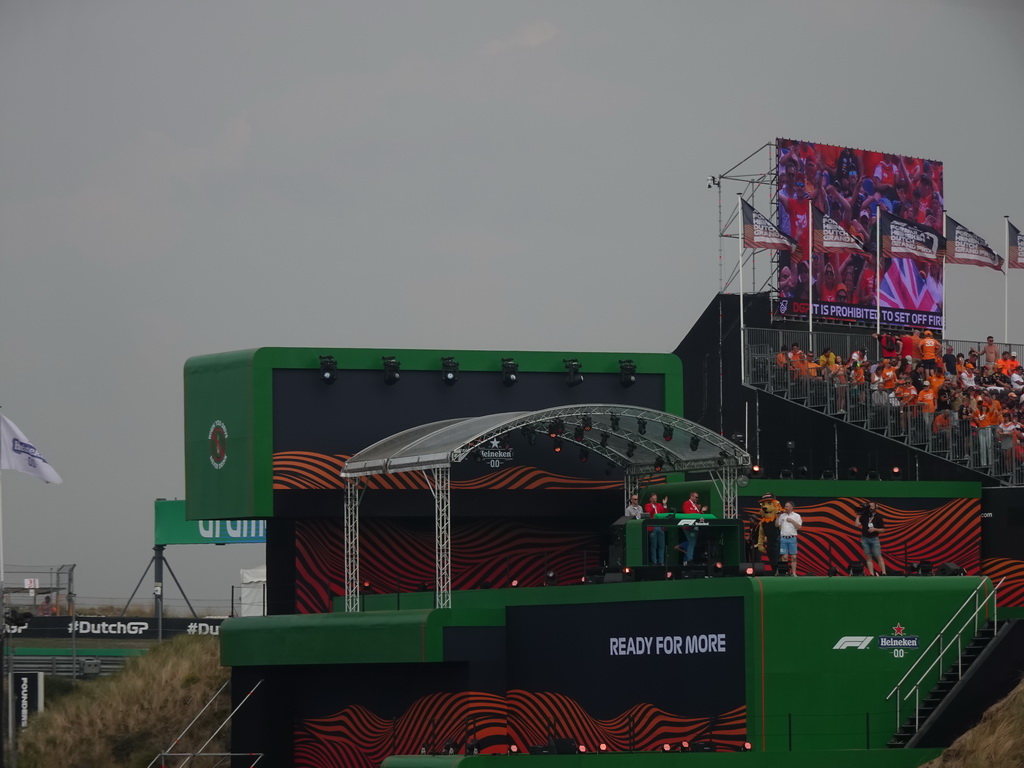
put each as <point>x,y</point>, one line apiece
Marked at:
<point>509,371</point>
<point>627,373</point>
<point>449,370</point>
<point>641,426</point>
<point>667,433</point>
<point>872,475</point>
<point>584,455</point>
<point>853,473</point>
<point>328,369</point>
<point>367,587</point>
<point>577,434</point>
<point>529,435</point>
<point>757,471</point>
<point>574,377</point>
<point>391,369</point>
<point>924,568</point>
<point>694,443</point>
<point>658,464</point>
<point>790,444</point>
<point>604,439</point>
<point>602,747</point>
<point>630,450</point>
<point>895,473</point>
<point>550,579</point>
<point>556,428</point>
<point>786,474</point>
<point>747,746</point>
<point>587,422</point>
<point>615,422</point>
<point>803,472</point>
<point>856,568</point>
<point>556,445</point>
<point>828,474</point>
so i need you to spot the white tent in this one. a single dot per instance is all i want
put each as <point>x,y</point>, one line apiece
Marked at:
<point>253,592</point>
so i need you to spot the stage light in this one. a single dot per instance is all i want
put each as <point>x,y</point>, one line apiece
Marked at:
<point>604,439</point>
<point>950,569</point>
<point>746,569</point>
<point>556,445</point>
<point>587,422</point>
<point>529,435</point>
<point>602,747</point>
<point>856,568</point>
<point>803,472</point>
<point>667,433</point>
<point>550,579</point>
<point>872,475</point>
<point>556,428</point>
<point>450,747</point>
<point>627,373</point>
<point>684,746</point>
<point>449,370</point>
<point>509,371</point>
<point>853,473</point>
<point>514,583</point>
<point>574,377</point>
<point>513,750</point>
<point>584,455</point>
<point>630,450</point>
<point>577,434</point>
<point>583,748</point>
<point>828,474</point>
<point>328,369</point>
<point>925,568</point>
<point>746,747</point>
<point>615,422</point>
<point>473,747</point>
<point>658,464</point>
<point>719,570</point>
<point>895,473</point>
<point>367,586</point>
<point>833,571</point>
<point>694,443</point>
<point>786,474</point>
<point>782,569</point>
<point>641,426</point>
<point>666,747</point>
<point>391,369</point>
<point>756,471</point>
<point>790,445</point>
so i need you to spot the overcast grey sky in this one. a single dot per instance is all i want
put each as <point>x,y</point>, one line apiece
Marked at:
<point>194,176</point>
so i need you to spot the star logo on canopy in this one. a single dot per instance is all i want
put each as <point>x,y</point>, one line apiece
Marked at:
<point>495,443</point>
<point>898,629</point>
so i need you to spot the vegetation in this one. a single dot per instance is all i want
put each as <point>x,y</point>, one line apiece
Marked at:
<point>129,718</point>
<point>998,740</point>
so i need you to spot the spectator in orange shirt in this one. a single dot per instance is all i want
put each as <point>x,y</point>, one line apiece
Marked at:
<point>1006,365</point>
<point>929,351</point>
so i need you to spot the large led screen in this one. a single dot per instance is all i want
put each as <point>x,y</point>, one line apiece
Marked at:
<point>838,269</point>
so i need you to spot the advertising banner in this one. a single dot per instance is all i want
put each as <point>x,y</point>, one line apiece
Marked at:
<point>113,627</point>
<point>28,695</point>
<point>830,197</point>
<point>172,527</point>
<point>965,247</point>
<point>1016,242</point>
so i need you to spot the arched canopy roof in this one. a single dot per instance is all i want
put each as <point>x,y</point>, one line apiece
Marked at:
<point>631,437</point>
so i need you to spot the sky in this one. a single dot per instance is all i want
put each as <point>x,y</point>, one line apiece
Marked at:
<point>198,176</point>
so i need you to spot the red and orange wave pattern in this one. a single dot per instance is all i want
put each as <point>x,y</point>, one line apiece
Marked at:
<point>948,533</point>
<point>355,737</point>
<point>398,556</point>
<point>305,470</point>
<point>1011,593</point>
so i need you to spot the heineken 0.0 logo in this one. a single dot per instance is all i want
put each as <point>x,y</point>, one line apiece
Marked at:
<point>218,444</point>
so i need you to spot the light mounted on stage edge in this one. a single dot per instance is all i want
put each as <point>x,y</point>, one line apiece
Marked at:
<point>449,370</point>
<point>694,443</point>
<point>509,371</point>
<point>627,373</point>
<point>574,377</point>
<point>391,369</point>
<point>328,369</point>
<point>667,433</point>
<point>641,426</point>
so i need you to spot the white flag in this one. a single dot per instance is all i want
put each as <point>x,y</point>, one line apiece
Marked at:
<point>17,453</point>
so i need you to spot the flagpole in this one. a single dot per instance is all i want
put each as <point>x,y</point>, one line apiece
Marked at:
<point>810,273</point>
<point>878,275</point>
<point>1006,283</point>
<point>945,277</point>
<point>739,220</point>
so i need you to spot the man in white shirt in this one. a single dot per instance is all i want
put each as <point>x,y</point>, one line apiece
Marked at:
<point>634,510</point>
<point>789,524</point>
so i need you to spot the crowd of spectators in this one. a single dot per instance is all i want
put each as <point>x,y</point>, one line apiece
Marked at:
<point>977,395</point>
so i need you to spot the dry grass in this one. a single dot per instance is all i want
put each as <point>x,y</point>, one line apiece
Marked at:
<point>996,742</point>
<point>127,719</point>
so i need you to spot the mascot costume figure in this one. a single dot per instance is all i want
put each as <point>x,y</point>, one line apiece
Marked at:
<point>766,533</point>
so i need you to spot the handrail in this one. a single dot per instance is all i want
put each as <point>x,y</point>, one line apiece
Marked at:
<point>916,688</point>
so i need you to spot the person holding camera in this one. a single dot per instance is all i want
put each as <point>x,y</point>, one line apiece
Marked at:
<point>871,525</point>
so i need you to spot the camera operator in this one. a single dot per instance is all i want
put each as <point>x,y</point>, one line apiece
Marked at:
<point>871,525</point>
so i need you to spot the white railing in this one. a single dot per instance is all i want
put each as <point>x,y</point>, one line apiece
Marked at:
<point>915,689</point>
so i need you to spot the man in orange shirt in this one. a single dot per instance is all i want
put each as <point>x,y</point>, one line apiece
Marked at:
<point>889,381</point>
<point>929,351</point>
<point>1006,365</point>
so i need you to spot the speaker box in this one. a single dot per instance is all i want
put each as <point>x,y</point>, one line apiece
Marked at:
<point>563,746</point>
<point>949,569</point>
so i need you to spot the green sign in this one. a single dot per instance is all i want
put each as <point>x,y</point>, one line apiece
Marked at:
<point>172,527</point>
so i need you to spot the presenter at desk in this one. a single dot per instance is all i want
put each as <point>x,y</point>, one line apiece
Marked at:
<point>691,508</point>
<point>656,534</point>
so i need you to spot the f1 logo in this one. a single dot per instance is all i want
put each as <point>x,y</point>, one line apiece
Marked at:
<point>860,642</point>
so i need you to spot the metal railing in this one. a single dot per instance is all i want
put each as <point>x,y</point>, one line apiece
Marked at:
<point>980,448</point>
<point>943,647</point>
